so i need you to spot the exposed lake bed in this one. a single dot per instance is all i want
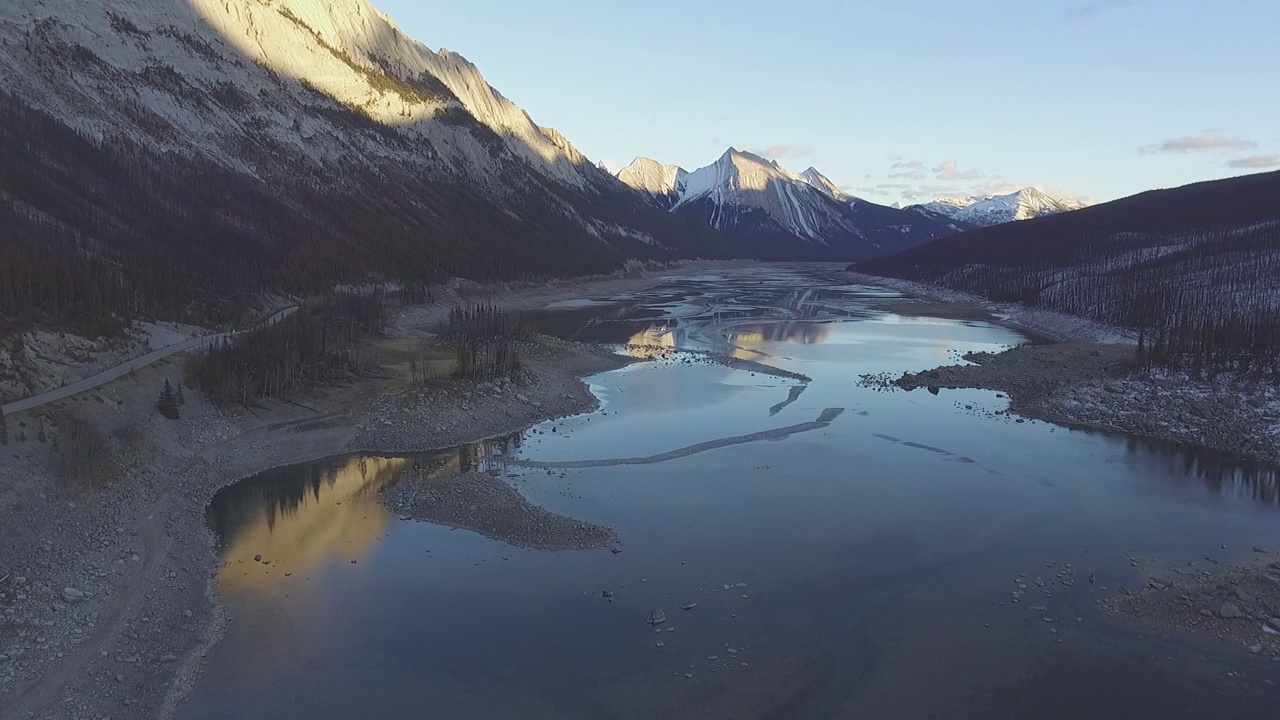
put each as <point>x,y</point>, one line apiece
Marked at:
<point>849,546</point>
<point>901,543</point>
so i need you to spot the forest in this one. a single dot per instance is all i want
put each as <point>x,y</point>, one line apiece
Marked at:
<point>320,344</point>
<point>1194,270</point>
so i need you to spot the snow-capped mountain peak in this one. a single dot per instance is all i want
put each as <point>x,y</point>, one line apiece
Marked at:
<point>823,184</point>
<point>760,201</point>
<point>1024,204</point>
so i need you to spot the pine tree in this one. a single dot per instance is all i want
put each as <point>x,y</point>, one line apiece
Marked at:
<point>4,429</point>
<point>181,398</point>
<point>168,403</point>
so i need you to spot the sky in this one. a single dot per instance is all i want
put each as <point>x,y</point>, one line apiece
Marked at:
<point>894,101</point>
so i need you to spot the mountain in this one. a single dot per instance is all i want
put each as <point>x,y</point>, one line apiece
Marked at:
<point>988,210</point>
<point>769,212</point>
<point>174,158</point>
<point>1195,268</point>
<point>664,184</point>
<point>822,184</point>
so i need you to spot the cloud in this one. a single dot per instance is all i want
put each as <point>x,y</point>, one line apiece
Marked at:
<point>1090,9</point>
<point>1206,141</point>
<point>779,152</point>
<point>949,171</point>
<point>907,169</point>
<point>915,181</point>
<point>1256,162</point>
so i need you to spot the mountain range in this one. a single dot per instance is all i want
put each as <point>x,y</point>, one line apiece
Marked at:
<point>767,211</point>
<point>171,155</point>
<point>988,210</point>
<point>160,151</point>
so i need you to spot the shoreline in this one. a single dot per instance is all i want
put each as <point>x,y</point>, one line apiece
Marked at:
<point>137,553</point>
<point>139,549</point>
<point>1079,374</point>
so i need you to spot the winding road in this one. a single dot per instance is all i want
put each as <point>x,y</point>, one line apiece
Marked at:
<point>124,368</point>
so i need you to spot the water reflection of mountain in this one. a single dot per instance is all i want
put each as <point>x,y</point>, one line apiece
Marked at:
<point>1222,474</point>
<point>301,516</point>
<point>691,318</point>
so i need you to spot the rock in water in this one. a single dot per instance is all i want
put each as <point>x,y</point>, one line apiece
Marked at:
<point>1229,611</point>
<point>657,617</point>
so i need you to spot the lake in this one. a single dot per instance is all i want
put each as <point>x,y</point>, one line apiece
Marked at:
<point>861,569</point>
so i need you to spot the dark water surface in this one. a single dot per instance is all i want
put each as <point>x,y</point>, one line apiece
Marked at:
<point>870,561</point>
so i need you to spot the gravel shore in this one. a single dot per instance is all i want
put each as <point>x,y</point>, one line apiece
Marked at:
<point>486,504</point>
<point>1095,386</point>
<point>1239,604</point>
<point>108,595</point>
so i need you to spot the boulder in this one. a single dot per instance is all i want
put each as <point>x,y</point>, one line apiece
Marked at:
<point>1230,611</point>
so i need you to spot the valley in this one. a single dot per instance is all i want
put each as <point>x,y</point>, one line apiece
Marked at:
<point>335,382</point>
<point>164,620</point>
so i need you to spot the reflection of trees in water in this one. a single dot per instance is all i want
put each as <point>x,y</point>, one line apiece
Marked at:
<point>1221,473</point>
<point>275,495</point>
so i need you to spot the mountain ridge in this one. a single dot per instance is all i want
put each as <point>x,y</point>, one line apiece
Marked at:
<point>994,209</point>
<point>771,212</point>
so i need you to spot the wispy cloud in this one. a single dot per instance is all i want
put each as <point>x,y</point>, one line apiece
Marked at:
<point>1256,162</point>
<point>907,170</point>
<point>917,181</point>
<point>1090,9</point>
<point>949,171</point>
<point>1206,141</point>
<point>779,152</point>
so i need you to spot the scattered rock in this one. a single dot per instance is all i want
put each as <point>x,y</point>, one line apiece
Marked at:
<point>657,617</point>
<point>1230,611</point>
<point>71,596</point>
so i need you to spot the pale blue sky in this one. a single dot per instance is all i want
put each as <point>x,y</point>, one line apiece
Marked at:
<point>1104,98</point>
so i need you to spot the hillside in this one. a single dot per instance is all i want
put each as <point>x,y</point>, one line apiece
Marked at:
<point>1196,269</point>
<point>175,158</point>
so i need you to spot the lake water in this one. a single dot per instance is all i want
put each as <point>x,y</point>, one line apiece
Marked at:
<point>869,563</point>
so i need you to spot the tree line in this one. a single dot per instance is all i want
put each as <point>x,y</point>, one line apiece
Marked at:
<point>1199,283</point>
<point>319,344</point>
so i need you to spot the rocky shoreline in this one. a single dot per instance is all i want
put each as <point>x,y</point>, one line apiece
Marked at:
<point>1095,386</point>
<point>108,598</point>
<point>486,504</point>
<point>108,602</point>
<point>1239,604</point>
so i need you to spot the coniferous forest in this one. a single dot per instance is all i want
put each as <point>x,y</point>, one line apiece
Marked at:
<point>318,345</point>
<point>1194,270</point>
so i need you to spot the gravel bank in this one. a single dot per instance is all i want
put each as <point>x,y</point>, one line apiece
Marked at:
<point>1095,386</point>
<point>108,598</point>
<point>1238,604</point>
<point>488,505</point>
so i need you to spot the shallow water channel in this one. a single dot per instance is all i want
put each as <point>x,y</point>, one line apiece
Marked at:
<point>858,569</point>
